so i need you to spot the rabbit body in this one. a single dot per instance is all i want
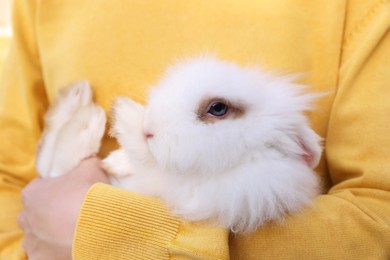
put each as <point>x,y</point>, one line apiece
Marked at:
<point>217,142</point>
<point>239,170</point>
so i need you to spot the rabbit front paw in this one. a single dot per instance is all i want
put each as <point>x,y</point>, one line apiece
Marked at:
<point>116,164</point>
<point>128,118</point>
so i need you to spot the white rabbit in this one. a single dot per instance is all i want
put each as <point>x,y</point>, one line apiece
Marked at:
<point>220,143</point>
<point>216,141</point>
<point>74,127</point>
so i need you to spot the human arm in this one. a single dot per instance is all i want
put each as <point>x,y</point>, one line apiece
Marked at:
<point>148,230</point>
<point>310,230</point>
<point>23,103</point>
<point>20,126</point>
<point>352,220</point>
<point>51,207</point>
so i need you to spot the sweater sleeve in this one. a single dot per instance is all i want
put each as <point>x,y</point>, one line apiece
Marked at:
<point>22,104</point>
<point>116,224</point>
<point>352,220</point>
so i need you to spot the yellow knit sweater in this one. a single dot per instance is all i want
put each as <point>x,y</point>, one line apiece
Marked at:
<point>122,47</point>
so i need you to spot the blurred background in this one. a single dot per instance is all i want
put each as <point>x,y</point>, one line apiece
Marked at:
<point>5,28</point>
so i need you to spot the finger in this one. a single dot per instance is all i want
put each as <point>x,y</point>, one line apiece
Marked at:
<point>37,249</point>
<point>94,155</point>
<point>22,222</point>
<point>30,243</point>
<point>28,190</point>
<point>91,170</point>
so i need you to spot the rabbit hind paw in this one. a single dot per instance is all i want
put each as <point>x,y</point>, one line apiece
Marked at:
<point>70,100</point>
<point>80,138</point>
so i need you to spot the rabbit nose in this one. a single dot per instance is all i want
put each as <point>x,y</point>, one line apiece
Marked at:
<point>148,135</point>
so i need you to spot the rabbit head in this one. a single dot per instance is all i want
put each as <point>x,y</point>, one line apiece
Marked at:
<point>208,116</point>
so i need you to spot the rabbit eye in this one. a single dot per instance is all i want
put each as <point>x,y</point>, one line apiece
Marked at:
<point>212,110</point>
<point>218,109</point>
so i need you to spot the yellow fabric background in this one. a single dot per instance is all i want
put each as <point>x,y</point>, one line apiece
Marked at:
<point>4,46</point>
<point>342,47</point>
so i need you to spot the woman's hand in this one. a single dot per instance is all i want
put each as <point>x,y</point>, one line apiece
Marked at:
<point>51,208</point>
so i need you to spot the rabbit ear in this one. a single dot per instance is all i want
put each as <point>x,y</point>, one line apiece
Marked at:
<point>310,144</point>
<point>303,144</point>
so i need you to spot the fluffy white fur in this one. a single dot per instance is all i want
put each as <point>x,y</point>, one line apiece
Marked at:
<point>236,172</point>
<point>74,127</point>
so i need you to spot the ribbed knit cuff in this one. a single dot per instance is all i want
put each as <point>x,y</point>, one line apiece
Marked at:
<point>116,224</point>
